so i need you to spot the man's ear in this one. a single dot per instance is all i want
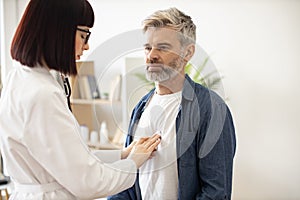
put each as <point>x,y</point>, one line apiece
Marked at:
<point>189,52</point>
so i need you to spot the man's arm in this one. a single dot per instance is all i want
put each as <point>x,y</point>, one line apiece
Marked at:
<point>216,162</point>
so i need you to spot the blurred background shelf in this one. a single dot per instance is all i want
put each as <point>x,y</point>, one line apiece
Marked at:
<point>92,112</point>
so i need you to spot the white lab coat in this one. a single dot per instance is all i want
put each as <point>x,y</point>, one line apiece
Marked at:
<point>40,142</point>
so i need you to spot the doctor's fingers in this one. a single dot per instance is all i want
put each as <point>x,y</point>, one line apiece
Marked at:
<point>152,142</point>
<point>142,140</point>
<point>152,138</point>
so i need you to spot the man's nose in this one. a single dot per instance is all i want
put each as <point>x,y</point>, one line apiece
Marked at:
<point>153,55</point>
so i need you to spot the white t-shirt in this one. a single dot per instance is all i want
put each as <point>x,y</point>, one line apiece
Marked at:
<point>158,176</point>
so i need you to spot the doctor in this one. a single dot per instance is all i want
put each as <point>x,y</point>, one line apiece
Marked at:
<point>40,140</point>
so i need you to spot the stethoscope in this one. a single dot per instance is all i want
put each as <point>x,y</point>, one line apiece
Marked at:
<point>67,88</point>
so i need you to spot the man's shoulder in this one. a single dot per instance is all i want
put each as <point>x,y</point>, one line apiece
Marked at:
<point>208,94</point>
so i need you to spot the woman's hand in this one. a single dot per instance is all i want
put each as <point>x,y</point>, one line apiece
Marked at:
<point>143,148</point>
<point>125,152</point>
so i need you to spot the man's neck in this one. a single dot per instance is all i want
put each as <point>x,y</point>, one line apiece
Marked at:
<point>170,86</point>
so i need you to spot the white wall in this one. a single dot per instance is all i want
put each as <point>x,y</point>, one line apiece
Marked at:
<point>256,46</point>
<point>11,11</point>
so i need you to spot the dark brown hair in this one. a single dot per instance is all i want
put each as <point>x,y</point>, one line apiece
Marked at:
<point>46,33</point>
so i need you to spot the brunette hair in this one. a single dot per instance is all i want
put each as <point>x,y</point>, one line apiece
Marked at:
<point>46,33</point>
<point>174,19</point>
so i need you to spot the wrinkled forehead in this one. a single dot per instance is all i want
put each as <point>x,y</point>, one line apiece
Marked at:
<point>155,35</point>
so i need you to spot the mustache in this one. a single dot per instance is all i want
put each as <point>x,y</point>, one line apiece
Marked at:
<point>155,65</point>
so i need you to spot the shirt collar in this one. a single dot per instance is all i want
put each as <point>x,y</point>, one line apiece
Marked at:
<point>188,91</point>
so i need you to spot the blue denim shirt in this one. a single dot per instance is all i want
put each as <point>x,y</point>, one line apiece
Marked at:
<point>205,142</point>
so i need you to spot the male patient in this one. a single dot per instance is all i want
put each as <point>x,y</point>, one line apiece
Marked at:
<point>195,157</point>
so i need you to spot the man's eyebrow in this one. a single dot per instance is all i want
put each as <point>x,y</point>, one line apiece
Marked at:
<point>164,44</point>
<point>159,44</point>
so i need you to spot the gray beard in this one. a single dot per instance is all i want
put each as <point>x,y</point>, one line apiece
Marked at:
<point>164,75</point>
<point>167,72</point>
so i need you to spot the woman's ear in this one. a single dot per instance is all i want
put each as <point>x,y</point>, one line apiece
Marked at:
<point>189,52</point>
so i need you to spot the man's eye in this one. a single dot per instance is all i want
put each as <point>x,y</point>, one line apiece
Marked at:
<point>148,48</point>
<point>83,37</point>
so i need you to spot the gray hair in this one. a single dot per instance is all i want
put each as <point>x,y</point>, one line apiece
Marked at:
<point>174,19</point>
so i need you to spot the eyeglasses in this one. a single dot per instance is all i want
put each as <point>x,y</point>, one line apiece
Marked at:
<point>88,33</point>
